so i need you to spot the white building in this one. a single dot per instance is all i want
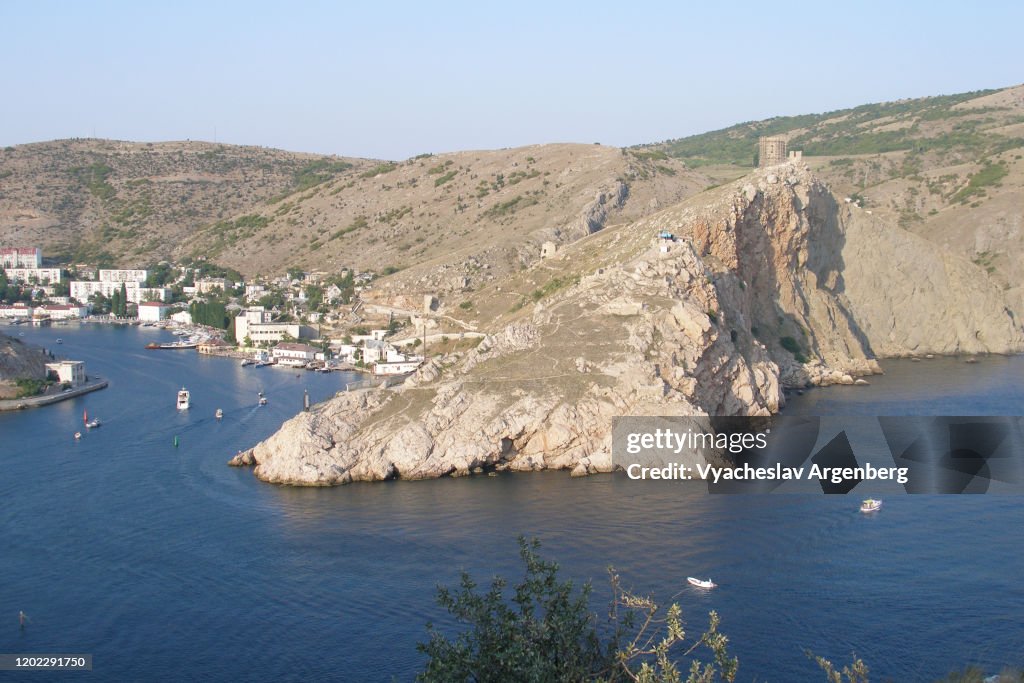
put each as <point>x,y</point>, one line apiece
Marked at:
<point>21,257</point>
<point>375,351</point>
<point>63,311</point>
<point>345,352</point>
<point>293,354</point>
<point>70,371</point>
<point>42,275</point>
<point>207,285</point>
<point>183,317</point>
<point>153,311</point>
<point>254,315</point>
<point>81,290</point>
<point>332,293</point>
<point>375,335</point>
<point>254,292</point>
<point>396,368</point>
<point>18,311</point>
<point>265,333</point>
<point>124,276</point>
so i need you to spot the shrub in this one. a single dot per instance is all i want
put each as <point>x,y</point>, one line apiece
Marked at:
<point>793,346</point>
<point>988,176</point>
<point>546,632</point>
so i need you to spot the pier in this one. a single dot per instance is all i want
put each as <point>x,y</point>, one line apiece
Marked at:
<point>94,384</point>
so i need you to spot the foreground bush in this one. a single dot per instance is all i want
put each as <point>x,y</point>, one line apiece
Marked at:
<point>544,631</point>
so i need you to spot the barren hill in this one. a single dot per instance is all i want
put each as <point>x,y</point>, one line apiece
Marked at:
<point>949,168</point>
<point>446,217</point>
<point>132,203</point>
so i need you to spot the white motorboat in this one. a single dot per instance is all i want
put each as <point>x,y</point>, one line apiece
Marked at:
<point>701,583</point>
<point>219,414</point>
<point>263,400</point>
<point>183,399</point>
<point>870,505</point>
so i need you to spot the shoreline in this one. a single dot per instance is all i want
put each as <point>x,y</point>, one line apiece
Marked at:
<point>12,404</point>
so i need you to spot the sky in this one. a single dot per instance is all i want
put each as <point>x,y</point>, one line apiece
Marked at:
<point>390,80</point>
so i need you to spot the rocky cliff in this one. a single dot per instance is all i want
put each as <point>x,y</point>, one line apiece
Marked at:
<point>19,361</point>
<point>709,307</point>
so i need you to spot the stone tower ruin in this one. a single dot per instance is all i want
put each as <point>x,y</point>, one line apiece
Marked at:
<point>772,151</point>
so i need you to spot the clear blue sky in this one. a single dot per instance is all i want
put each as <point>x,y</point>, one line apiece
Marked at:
<point>394,79</point>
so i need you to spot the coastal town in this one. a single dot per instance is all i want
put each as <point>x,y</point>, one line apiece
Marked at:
<point>315,321</point>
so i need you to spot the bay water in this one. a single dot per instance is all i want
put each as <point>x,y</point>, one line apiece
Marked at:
<point>166,564</point>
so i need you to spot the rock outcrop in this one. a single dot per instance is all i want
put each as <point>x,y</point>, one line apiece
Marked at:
<point>19,361</point>
<point>707,308</point>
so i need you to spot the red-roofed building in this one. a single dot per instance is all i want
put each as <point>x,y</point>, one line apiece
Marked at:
<point>21,257</point>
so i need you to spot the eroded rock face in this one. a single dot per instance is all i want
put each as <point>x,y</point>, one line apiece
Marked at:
<point>766,283</point>
<point>912,297</point>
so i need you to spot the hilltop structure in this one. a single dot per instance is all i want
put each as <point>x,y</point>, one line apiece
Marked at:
<point>771,150</point>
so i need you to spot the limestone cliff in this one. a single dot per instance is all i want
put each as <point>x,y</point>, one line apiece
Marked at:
<point>762,283</point>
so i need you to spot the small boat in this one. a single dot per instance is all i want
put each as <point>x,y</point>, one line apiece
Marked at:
<point>92,424</point>
<point>247,362</point>
<point>183,399</point>
<point>870,505</point>
<point>263,400</point>
<point>701,583</point>
<point>59,340</point>
<point>219,414</point>
<point>78,435</point>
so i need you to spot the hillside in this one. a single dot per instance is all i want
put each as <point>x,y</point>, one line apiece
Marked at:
<point>771,281</point>
<point>448,217</point>
<point>950,168</point>
<point>261,210</point>
<point>130,203</point>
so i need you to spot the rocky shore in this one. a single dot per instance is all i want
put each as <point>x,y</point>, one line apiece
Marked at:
<point>767,283</point>
<point>19,360</point>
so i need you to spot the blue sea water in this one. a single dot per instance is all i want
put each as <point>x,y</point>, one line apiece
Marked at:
<point>166,564</point>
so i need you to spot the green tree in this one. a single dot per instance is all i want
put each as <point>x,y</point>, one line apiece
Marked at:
<point>123,301</point>
<point>100,303</point>
<point>545,632</point>
<point>115,303</point>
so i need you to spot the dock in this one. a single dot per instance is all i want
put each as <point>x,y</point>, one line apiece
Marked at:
<point>94,384</point>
